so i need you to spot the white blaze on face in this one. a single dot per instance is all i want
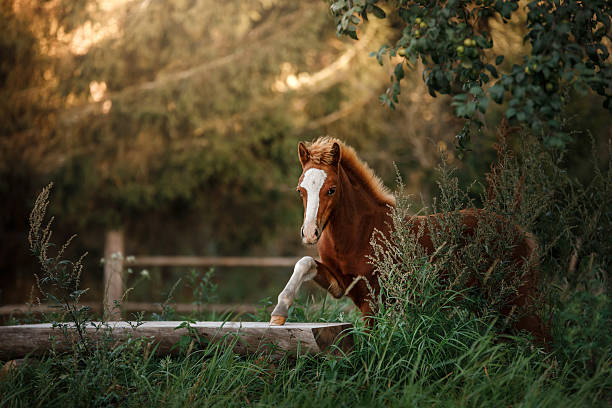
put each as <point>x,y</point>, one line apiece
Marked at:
<point>312,182</point>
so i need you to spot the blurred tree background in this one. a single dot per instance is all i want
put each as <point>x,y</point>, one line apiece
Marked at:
<point>177,122</point>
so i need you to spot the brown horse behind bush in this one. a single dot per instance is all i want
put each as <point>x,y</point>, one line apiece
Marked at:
<point>344,203</point>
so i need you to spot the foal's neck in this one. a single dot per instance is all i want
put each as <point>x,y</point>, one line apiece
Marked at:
<point>358,201</point>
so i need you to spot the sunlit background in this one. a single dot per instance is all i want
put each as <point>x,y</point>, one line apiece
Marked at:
<point>177,122</point>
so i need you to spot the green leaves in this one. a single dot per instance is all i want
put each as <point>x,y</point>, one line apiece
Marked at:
<point>567,49</point>
<point>497,92</point>
<point>398,72</point>
<point>378,12</point>
<point>349,13</point>
<point>483,104</point>
<point>379,54</point>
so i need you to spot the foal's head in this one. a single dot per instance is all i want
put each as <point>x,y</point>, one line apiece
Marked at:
<point>319,187</point>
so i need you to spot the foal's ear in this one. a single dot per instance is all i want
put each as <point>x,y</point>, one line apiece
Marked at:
<point>336,154</point>
<point>303,153</point>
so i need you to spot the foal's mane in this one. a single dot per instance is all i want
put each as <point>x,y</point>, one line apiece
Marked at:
<point>321,153</point>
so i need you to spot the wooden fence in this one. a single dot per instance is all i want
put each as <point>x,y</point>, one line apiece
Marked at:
<point>116,262</point>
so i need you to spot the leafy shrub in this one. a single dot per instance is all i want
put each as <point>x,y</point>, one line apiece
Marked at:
<point>572,223</point>
<point>486,267</point>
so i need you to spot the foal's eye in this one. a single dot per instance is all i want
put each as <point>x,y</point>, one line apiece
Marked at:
<point>331,191</point>
<point>300,191</point>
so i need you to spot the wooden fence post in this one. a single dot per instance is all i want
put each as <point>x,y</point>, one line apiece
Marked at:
<point>114,252</point>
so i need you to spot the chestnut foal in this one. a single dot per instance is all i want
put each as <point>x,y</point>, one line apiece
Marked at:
<point>344,201</point>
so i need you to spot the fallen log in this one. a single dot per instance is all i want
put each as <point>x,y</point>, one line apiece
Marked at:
<point>307,338</point>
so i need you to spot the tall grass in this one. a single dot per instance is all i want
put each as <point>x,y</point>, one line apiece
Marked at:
<point>432,362</point>
<point>432,345</point>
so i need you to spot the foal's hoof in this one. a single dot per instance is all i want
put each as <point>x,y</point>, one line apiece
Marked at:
<point>278,320</point>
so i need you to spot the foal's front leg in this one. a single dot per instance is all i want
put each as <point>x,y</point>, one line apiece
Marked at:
<point>305,269</point>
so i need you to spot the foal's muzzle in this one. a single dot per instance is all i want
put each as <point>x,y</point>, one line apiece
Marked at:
<point>310,234</point>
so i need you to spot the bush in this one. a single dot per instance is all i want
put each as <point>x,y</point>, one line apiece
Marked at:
<point>529,189</point>
<point>477,259</point>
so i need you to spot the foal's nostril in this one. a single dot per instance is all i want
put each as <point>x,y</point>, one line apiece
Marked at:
<point>302,232</point>
<point>317,233</point>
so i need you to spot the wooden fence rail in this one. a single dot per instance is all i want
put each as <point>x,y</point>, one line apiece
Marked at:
<point>207,261</point>
<point>182,308</point>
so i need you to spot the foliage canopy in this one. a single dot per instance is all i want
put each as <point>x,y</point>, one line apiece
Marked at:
<point>568,51</point>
